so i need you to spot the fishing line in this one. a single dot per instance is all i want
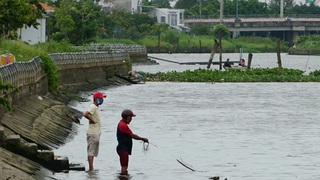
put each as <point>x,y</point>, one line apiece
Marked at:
<point>305,68</point>
<point>145,147</point>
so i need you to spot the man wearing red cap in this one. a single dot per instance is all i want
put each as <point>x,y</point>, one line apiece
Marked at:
<point>94,130</point>
<point>124,137</point>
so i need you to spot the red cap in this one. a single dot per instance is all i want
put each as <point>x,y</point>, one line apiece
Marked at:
<point>99,94</point>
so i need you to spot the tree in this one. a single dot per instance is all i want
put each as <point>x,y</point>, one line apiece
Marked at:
<point>200,29</point>
<point>64,21</point>
<point>163,3</point>
<point>78,22</point>
<point>127,25</point>
<point>15,14</point>
<point>185,4</point>
<point>225,32</point>
<point>274,6</point>
<point>156,3</point>
<point>245,7</point>
<point>305,9</point>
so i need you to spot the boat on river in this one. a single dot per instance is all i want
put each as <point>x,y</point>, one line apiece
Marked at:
<point>131,79</point>
<point>241,63</point>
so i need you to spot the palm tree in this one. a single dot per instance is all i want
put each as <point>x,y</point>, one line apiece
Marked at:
<point>163,3</point>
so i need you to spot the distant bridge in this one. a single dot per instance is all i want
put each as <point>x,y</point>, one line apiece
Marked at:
<point>289,27</point>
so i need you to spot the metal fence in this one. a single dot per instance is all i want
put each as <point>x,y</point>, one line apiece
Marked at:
<point>88,59</point>
<point>115,47</point>
<point>19,73</point>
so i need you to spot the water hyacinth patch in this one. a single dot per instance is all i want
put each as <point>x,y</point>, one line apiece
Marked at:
<point>234,75</point>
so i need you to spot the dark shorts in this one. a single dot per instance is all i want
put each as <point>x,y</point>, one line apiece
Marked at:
<point>124,157</point>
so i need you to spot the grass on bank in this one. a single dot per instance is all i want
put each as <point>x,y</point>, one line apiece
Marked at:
<point>187,43</point>
<point>253,44</point>
<point>178,42</point>
<point>25,52</point>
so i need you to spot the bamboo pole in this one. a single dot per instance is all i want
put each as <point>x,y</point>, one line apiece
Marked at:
<point>220,51</point>
<point>215,46</point>
<point>279,58</point>
<point>249,60</point>
<point>159,41</point>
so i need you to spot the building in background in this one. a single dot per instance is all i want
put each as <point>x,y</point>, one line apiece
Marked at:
<point>316,2</point>
<point>172,17</point>
<point>33,35</point>
<point>106,5</point>
<point>133,6</point>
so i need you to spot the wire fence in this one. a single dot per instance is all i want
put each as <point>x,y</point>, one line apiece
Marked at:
<point>115,47</point>
<point>20,73</point>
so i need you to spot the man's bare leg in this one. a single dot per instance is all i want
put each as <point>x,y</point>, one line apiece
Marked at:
<point>90,161</point>
<point>124,170</point>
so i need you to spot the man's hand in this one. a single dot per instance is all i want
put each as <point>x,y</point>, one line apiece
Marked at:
<point>145,140</point>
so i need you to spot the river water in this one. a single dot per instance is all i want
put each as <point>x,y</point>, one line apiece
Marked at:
<point>265,131</point>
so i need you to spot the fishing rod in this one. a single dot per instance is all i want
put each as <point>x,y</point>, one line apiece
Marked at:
<point>145,147</point>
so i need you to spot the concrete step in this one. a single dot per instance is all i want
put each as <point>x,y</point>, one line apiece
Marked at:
<point>31,147</point>
<point>12,139</point>
<point>46,155</point>
<point>1,133</point>
<point>60,163</point>
<point>77,167</point>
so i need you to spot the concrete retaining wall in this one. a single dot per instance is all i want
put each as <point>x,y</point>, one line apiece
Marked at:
<point>37,116</point>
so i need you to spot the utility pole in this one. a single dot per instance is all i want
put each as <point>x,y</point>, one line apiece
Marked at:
<point>281,8</point>
<point>200,6</point>
<point>237,10</point>
<point>221,11</point>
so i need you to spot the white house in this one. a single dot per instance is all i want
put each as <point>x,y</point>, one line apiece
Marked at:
<point>172,17</point>
<point>33,35</point>
<point>136,6</point>
<point>106,5</point>
<point>133,6</point>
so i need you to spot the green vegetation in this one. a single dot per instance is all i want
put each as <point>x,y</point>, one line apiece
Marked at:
<point>128,63</point>
<point>3,99</point>
<point>16,14</point>
<point>50,69</point>
<point>25,52</point>
<point>234,75</point>
<point>191,44</point>
<point>114,40</point>
<point>82,22</point>
<point>309,44</point>
<point>211,8</point>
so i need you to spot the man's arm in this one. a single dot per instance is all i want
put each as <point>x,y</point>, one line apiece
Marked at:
<point>88,115</point>
<point>136,137</point>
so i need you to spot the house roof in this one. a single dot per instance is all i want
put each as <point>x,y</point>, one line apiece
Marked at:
<point>47,7</point>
